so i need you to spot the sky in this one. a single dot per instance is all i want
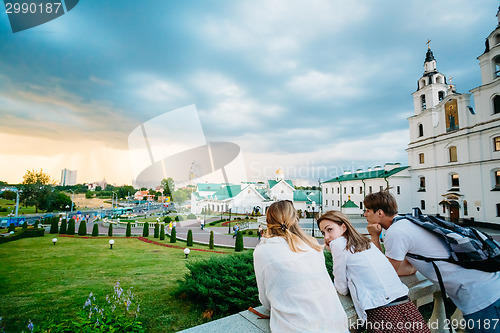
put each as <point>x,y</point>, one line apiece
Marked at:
<point>312,87</point>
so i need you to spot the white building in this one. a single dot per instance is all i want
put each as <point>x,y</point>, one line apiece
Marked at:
<point>454,149</point>
<point>351,188</point>
<point>248,197</point>
<point>68,177</point>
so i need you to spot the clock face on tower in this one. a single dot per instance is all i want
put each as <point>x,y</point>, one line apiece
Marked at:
<point>451,115</point>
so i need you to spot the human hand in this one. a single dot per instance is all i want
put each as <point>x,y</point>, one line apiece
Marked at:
<point>374,229</point>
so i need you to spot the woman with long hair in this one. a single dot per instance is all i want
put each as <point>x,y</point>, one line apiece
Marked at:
<point>292,278</point>
<point>359,268</point>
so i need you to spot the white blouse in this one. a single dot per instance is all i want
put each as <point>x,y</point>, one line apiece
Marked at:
<point>296,288</point>
<point>367,275</point>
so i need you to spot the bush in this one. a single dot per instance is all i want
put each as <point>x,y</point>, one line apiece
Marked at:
<point>110,230</point>
<point>157,231</point>
<point>25,225</point>
<point>167,219</point>
<point>128,233</point>
<point>173,236</point>
<point>238,246</point>
<point>244,232</point>
<point>95,230</point>
<point>82,229</point>
<point>211,241</point>
<point>224,284</point>
<point>191,216</point>
<point>189,241</point>
<point>145,230</point>
<point>3,209</point>
<point>162,232</point>
<point>71,227</point>
<point>64,227</point>
<point>23,234</point>
<point>36,224</point>
<point>177,219</point>
<point>250,233</point>
<point>54,225</point>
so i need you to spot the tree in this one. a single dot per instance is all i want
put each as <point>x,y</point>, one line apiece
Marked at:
<point>238,246</point>
<point>129,230</point>
<point>173,236</point>
<point>157,230</point>
<point>211,241</point>
<point>82,229</point>
<point>145,231</point>
<point>168,187</point>
<point>95,230</point>
<point>189,241</point>
<point>35,186</point>
<point>12,227</point>
<point>9,195</point>
<point>54,225</point>
<point>162,232</point>
<point>89,195</point>
<point>55,201</point>
<point>64,227</point>
<point>71,227</point>
<point>110,230</point>
<point>25,225</point>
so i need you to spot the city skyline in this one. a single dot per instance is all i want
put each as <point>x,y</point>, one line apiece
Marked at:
<point>313,88</point>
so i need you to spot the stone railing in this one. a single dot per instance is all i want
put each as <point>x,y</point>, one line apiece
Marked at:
<point>422,291</point>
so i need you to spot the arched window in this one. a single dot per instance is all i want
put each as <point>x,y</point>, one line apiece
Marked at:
<point>422,102</point>
<point>441,95</point>
<point>422,204</point>
<point>420,130</point>
<point>422,83</point>
<point>496,143</point>
<point>497,179</point>
<point>496,62</point>
<point>421,158</point>
<point>466,209</point>
<point>438,79</point>
<point>496,104</point>
<point>421,184</point>
<point>452,154</point>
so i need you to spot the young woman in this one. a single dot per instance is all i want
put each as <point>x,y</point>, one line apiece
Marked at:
<point>292,278</point>
<point>359,268</point>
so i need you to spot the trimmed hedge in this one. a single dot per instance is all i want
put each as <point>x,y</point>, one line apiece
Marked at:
<point>211,241</point>
<point>23,233</point>
<point>145,230</point>
<point>82,229</point>
<point>95,230</point>
<point>110,230</point>
<point>238,246</point>
<point>64,227</point>
<point>157,231</point>
<point>189,241</point>
<point>129,230</point>
<point>162,232</point>
<point>71,227</point>
<point>224,284</point>
<point>173,236</point>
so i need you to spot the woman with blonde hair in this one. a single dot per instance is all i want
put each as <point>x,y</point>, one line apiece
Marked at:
<point>292,278</point>
<point>359,268</point>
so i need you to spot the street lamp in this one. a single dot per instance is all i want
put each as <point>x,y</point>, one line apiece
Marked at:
<point>72,198</point>
<point>111,242</point>
<point>229,224</point>
<point>313,205</point>
<point>54,240</point>
<point>186,252</point>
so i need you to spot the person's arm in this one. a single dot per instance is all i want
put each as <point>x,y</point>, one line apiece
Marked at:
<point>261,285</point>
<point>375,230</point>
<point>402,267</point>
<point>339,268</point>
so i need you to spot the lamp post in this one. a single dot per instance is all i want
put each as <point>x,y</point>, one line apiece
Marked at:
<point>111,242</point>
<point>72,199</point>
<point>54,240</point>
<point>229,223</point>
<point>313,205</point>
<point>186,252</point>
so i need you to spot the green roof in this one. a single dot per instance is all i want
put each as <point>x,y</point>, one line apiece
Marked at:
<point>307,195</point>
<point>367,175</point>
<point>208,186</point>
<point>227,192</point>
<point>273,183</point>
<point>350,204</point>
<point>263,192</point>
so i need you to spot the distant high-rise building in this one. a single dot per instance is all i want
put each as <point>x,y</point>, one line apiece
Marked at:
<point>68,177</point>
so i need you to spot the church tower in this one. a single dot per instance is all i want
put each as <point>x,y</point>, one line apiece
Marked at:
<point>431,87</point>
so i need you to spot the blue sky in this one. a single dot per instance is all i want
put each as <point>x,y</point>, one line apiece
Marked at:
<point>311,87</point>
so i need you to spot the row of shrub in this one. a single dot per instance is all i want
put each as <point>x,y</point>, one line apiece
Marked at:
<point>23,233</point>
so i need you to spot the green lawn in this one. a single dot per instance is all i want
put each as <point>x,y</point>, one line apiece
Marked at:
<point>11,207</point>
<point>40,280</point>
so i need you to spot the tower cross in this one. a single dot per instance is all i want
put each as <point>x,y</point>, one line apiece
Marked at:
<point>428,43</point>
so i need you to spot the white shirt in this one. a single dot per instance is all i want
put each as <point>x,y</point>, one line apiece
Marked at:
<point>367,275</point>
<point>295,286</point>
<point>471,290</point>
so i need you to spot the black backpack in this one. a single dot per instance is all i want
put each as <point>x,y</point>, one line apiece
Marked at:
<point>469,247</point>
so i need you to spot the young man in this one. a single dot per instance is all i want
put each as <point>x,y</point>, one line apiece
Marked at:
<point>475,293</point>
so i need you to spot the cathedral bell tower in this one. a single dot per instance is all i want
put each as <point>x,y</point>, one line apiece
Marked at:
<point>431,87</point>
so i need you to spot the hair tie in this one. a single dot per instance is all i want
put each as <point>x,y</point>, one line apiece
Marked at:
<point>283,226</point>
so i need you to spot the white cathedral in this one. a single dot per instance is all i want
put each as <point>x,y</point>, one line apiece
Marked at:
<point>453,154</point>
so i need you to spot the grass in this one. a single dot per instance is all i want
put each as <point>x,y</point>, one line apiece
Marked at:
<point>42,281</point>
<point>11,207</point>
